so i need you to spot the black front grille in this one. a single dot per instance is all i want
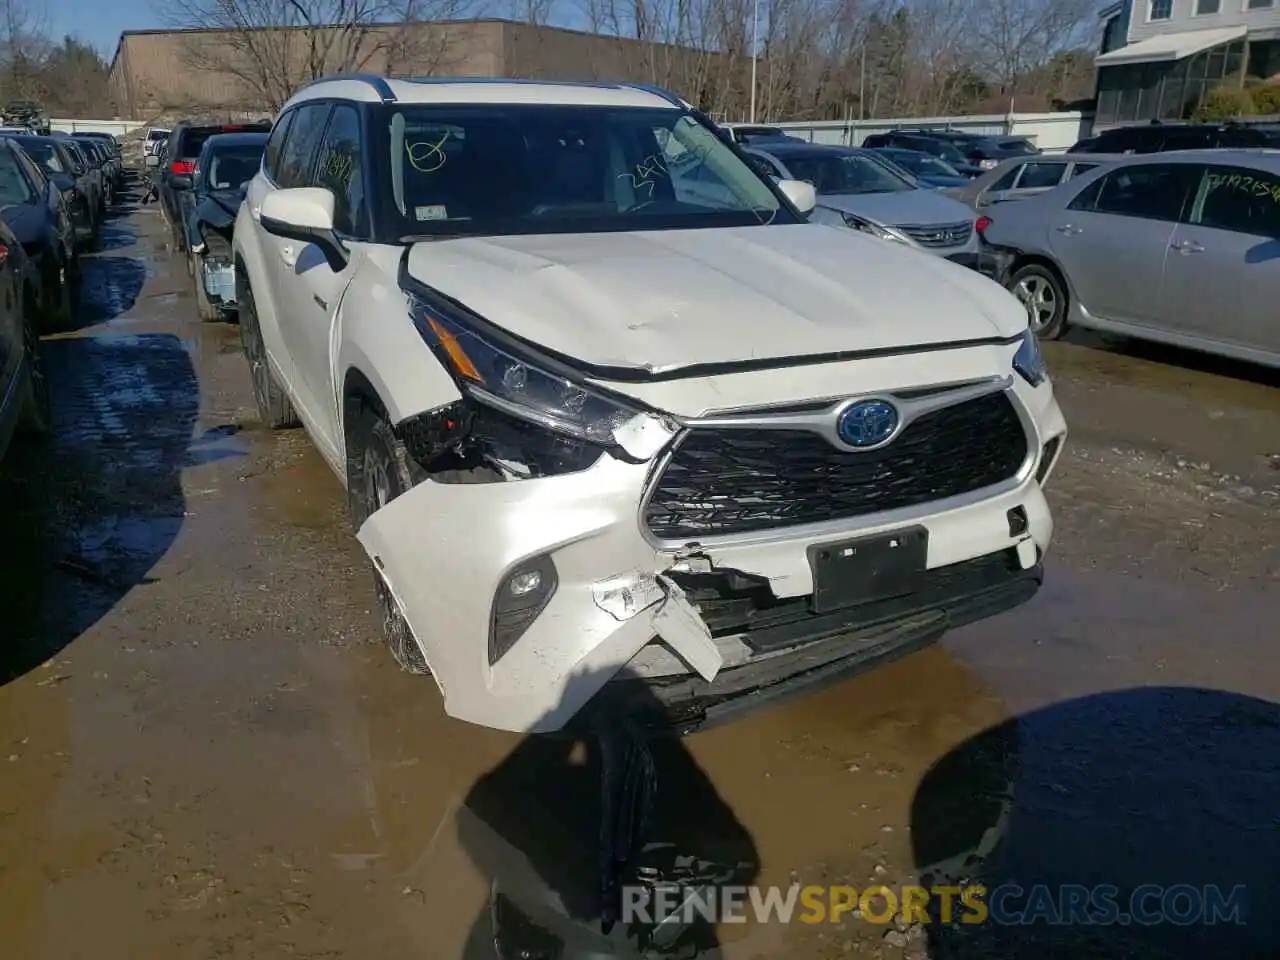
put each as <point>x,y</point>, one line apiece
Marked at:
<point>732,481</point>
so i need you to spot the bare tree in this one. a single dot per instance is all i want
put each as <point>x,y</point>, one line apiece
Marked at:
<point>1022,35</point>
<point>273,47</point>
<point>23,47</point>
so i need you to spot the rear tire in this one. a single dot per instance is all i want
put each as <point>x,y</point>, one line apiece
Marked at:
<point>34,416</point>
<point>379,469</point>
<point>57,307</point>
<point>1044,296</point>
<point>274,407</point>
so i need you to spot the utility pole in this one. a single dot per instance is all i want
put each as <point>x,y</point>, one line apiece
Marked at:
<point>755,53</point>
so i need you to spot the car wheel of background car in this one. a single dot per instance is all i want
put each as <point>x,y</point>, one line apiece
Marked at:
<point>33,417</point>
<point>56,303</point>
<point>1044,296</point>
<point>379,469</point>
<point>273,405</point>
<point>209,311</point>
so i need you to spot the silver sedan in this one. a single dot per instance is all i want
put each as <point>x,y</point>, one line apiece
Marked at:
<point>1181,248</point>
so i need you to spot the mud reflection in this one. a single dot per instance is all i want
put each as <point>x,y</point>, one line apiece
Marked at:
<point>87,516</point>
<point>1160,785</point>
<point>109,287</point>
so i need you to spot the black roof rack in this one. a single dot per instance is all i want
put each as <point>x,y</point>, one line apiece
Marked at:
<point>379,84</point>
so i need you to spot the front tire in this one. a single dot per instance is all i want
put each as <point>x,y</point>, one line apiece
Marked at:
<point>379,469</point>
<point>274,407</point>
<point>1044,296</point>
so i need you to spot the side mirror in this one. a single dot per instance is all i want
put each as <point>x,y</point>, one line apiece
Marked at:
<point>180,181</point>
<point>305,214</point>
<point>62,180</point>
<point>801,194</point>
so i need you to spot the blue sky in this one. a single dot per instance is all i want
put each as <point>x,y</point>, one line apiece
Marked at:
<point>98,22</point>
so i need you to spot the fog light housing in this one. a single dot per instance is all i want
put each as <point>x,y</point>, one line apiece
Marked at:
<point>1048,457</point>
<point>523,592</point>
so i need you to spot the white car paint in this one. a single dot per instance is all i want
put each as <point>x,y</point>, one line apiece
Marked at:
<point>807,312</point>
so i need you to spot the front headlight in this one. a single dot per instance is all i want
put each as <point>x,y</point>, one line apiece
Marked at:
<point>497,377</point>
<point>1028,361</point>
<point>883,231</point>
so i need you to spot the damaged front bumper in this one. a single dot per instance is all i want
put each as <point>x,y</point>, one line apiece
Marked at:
<point>681,634</point>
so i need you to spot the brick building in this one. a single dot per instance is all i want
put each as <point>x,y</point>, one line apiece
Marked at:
<point>166,73</point>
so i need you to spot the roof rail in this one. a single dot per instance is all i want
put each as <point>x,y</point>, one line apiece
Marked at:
<point>657,91</point>
<point>379,84</point>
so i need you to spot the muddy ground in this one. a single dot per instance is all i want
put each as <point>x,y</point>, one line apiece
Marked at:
<point>205,752</point>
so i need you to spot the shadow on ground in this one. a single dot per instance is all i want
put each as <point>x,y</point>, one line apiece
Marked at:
<point>87,514</point>
<point>1174,356</point>
<point>1173,787</point>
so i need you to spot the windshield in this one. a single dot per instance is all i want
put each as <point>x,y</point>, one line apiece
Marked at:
<point>158,135</point>
<point>13,185</point>
<point>228,168</point>
<point>526,168</point>
<point>835,174</point>
<point>42,152</point>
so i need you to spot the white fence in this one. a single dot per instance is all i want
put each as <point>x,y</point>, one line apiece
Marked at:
<point>116,128</point>
<point>1051,132</point>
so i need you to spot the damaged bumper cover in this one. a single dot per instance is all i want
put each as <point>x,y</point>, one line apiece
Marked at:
<point>681,635</point>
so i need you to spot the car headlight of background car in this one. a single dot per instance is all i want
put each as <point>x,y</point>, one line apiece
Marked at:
<point>497,377</point>
<point>883,231</point>
<point>1028,361</point>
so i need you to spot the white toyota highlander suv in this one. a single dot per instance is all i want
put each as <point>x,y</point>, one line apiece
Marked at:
<point>617,424</point>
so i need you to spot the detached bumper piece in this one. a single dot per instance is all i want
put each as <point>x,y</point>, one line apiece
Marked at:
<point>219,279</point>
<point>799,651</point>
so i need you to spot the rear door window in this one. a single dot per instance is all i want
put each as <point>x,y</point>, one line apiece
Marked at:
<point>1240,200</point>
<point>1040,174</point>
<point>1080,168</point>
<point>275,144</point>
<point>1157,191</point>
<point>1007,181</point>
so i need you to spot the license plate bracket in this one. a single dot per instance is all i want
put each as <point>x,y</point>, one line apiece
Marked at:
<point>849,573</point>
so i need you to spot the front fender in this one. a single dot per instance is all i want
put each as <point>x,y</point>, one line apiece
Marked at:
<point>376,336</point>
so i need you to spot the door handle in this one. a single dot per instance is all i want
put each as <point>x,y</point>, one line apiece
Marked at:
<point>288,255</point>
<point>1070,229</point>
<point>1185,247</point>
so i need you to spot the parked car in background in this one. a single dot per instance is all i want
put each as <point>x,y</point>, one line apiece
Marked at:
<point>986,151</point>
<point>930,170</point>
<point>92,174</point>
<point>1163,137</point>
<point>856,190</point>
<point>184,145</point>
<point>112,146</point>
<point>32,207</point>
<point>102,160</point>
<point>151,142</point>
<point>757,133</point>
<point>924,144</point>
<point>56,163</point>
<point>24,396</point>
<point>226,164</point>
<point>1181,248</point>
<point>1024,177</point>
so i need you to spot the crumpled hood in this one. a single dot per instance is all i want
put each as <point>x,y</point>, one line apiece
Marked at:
<point>662,300</point>
<point>914,208</point>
